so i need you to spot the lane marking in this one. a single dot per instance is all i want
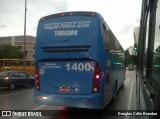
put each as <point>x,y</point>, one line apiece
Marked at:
<point>15,93</point>
<point>37,108</point>
<point>130,99</point>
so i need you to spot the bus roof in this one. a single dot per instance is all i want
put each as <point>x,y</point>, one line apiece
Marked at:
<point>72,13</point>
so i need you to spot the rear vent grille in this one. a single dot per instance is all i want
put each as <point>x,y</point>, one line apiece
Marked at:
<point>66,49</point>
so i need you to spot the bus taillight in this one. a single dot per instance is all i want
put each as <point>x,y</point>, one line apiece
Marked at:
<point>96,80</point>
<point>97,76</point>
<point>37,86</point>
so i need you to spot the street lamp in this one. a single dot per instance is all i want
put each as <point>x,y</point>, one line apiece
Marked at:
<point>24,63</point>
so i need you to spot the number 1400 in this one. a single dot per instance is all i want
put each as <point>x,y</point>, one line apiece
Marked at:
<point>79,67</point>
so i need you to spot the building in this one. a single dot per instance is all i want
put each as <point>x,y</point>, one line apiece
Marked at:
<point>136,35</point>
<point>131,50</point>
<point>18,41</point>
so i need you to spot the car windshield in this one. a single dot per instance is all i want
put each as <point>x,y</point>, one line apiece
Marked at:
<point>3,74</point>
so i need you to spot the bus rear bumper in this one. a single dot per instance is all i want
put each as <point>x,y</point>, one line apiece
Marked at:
<point>93,101</point>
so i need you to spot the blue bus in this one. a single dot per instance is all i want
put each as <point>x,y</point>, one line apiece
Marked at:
<point>79,62</point>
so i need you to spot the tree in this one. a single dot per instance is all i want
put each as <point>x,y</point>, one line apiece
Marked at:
<point>128,57</point>
<point>10,52</point>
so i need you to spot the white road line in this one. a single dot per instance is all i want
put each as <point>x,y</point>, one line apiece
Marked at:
<point>15,93</point>
<point>130,99</point>
<point>37,108</point>
<point>16,117</point>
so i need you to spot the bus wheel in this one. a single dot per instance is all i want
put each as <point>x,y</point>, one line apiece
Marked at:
<point>115,91</point>
<point>12,86</point>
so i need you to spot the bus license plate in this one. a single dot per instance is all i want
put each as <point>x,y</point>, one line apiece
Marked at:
<point>64,89</point>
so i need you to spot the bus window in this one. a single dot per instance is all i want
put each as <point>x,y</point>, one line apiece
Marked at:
<point>111,43</point>
<point>156,51</point>
<point>28,63</point>
<point>32,63</point>
<point>8,63</point>
<point>16,63</point>
<point>148,81</point>
<point>145,60</point>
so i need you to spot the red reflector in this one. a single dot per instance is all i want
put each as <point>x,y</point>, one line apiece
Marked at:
<point>97,76</point>
<point>36,75</point>
<point>37,87</point>
<point>37,81</point>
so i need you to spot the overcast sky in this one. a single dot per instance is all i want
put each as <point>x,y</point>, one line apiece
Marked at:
<point>121,15</point>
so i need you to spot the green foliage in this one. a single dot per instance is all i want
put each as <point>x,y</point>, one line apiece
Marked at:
<point>10,52</point>
<point>130,59</point>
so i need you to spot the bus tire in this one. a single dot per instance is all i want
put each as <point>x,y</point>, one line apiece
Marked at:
<point>12,86</point>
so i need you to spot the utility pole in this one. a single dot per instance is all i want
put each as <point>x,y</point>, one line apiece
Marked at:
<point>24,62</point>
